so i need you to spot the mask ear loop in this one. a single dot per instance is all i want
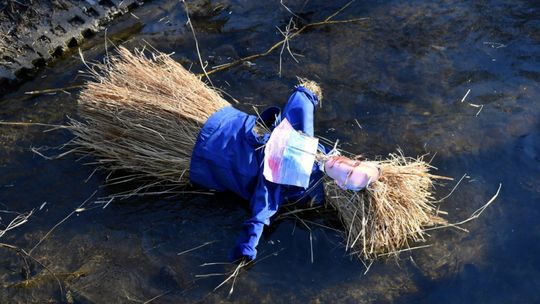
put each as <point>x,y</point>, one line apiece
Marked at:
<point>356,164</point>
<point>322,158</point>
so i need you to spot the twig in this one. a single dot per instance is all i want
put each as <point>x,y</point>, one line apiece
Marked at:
<point>453,189</point>
<point>466,94</point>
<point>339,10</point>
<point>298,211</point>
<point>473,216</point>
<point>288,9</point>
<point>286,35</point>
<point>232,285</point>
<point>310,236</point>
<point>322,226</point>
<point>294,226</point>
<point>326,21</point>
<point>432,158</point>
<point>358,124</point>
<point>338,21</point>
<point>31,124</point>
<point>47,91</point>
<point>59,223</point>
<point>251,263</point>
<point>481,107</point>
<point>16,222</point>
<point>84,61</point>
<point>108,202</point>
<point>403,250</point>
<point>215,263</point>
<point>233,275</point>
<point>367,266</point>
<point>195,248</point>
<point>157,297</point>
<point>351,227</point>
<point>36,151</point>
<point>106,59</point>
<point>362,232</point>
<point>311,244</point>
<point>196,42</point>
<point>476,106</point>
<point>207,275</point>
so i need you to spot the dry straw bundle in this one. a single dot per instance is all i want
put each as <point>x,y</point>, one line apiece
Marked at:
<point>393,211</point>
<point>143,114</point>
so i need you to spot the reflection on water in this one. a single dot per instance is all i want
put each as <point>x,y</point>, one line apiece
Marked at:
<point>401,75</point>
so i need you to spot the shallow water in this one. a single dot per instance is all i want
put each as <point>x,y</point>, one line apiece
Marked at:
<point>402,75</point>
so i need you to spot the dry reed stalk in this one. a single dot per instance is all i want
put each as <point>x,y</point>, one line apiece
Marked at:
<point>19,220</point>
<point>392,212</point>
<point>143,114</point>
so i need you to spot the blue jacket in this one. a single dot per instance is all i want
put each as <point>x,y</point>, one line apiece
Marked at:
<point>228,156</point>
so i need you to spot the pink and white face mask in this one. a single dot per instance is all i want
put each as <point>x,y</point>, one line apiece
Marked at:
<point>350,174</point>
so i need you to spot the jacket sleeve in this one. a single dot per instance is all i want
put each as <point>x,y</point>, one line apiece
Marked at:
<point>264,204</point>
<point>267,198</point>
<point>300,109</point>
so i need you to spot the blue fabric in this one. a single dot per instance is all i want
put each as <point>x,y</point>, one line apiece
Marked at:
<point>300,108</point>
<point>228,155</point>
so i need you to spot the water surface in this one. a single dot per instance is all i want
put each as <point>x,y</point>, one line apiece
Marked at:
<point>401,75</point>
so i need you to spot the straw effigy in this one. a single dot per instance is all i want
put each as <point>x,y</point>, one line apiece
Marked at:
<point>392,212</point>
<point>142,115</point>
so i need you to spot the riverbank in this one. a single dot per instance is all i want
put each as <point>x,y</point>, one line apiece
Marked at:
<point>34,33</point>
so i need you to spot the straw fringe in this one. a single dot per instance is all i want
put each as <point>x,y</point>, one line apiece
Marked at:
<point>143,114</point>
<point>392,212</point>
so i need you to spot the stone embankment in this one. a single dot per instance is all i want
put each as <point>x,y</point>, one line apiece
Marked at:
<point>34,32</point>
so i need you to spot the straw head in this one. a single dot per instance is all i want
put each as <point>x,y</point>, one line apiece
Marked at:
<point>390,214</point>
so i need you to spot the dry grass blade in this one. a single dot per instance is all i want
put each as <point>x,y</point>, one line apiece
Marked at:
<point>19,220</point>
<point>195,248</point>
<point>233,276</point>
<point>243,264</point>
<point>142,114</point>
<point>392,212</point>
<point>62,221</point>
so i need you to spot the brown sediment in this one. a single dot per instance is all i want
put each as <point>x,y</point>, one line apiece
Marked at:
<point>40,280</point>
